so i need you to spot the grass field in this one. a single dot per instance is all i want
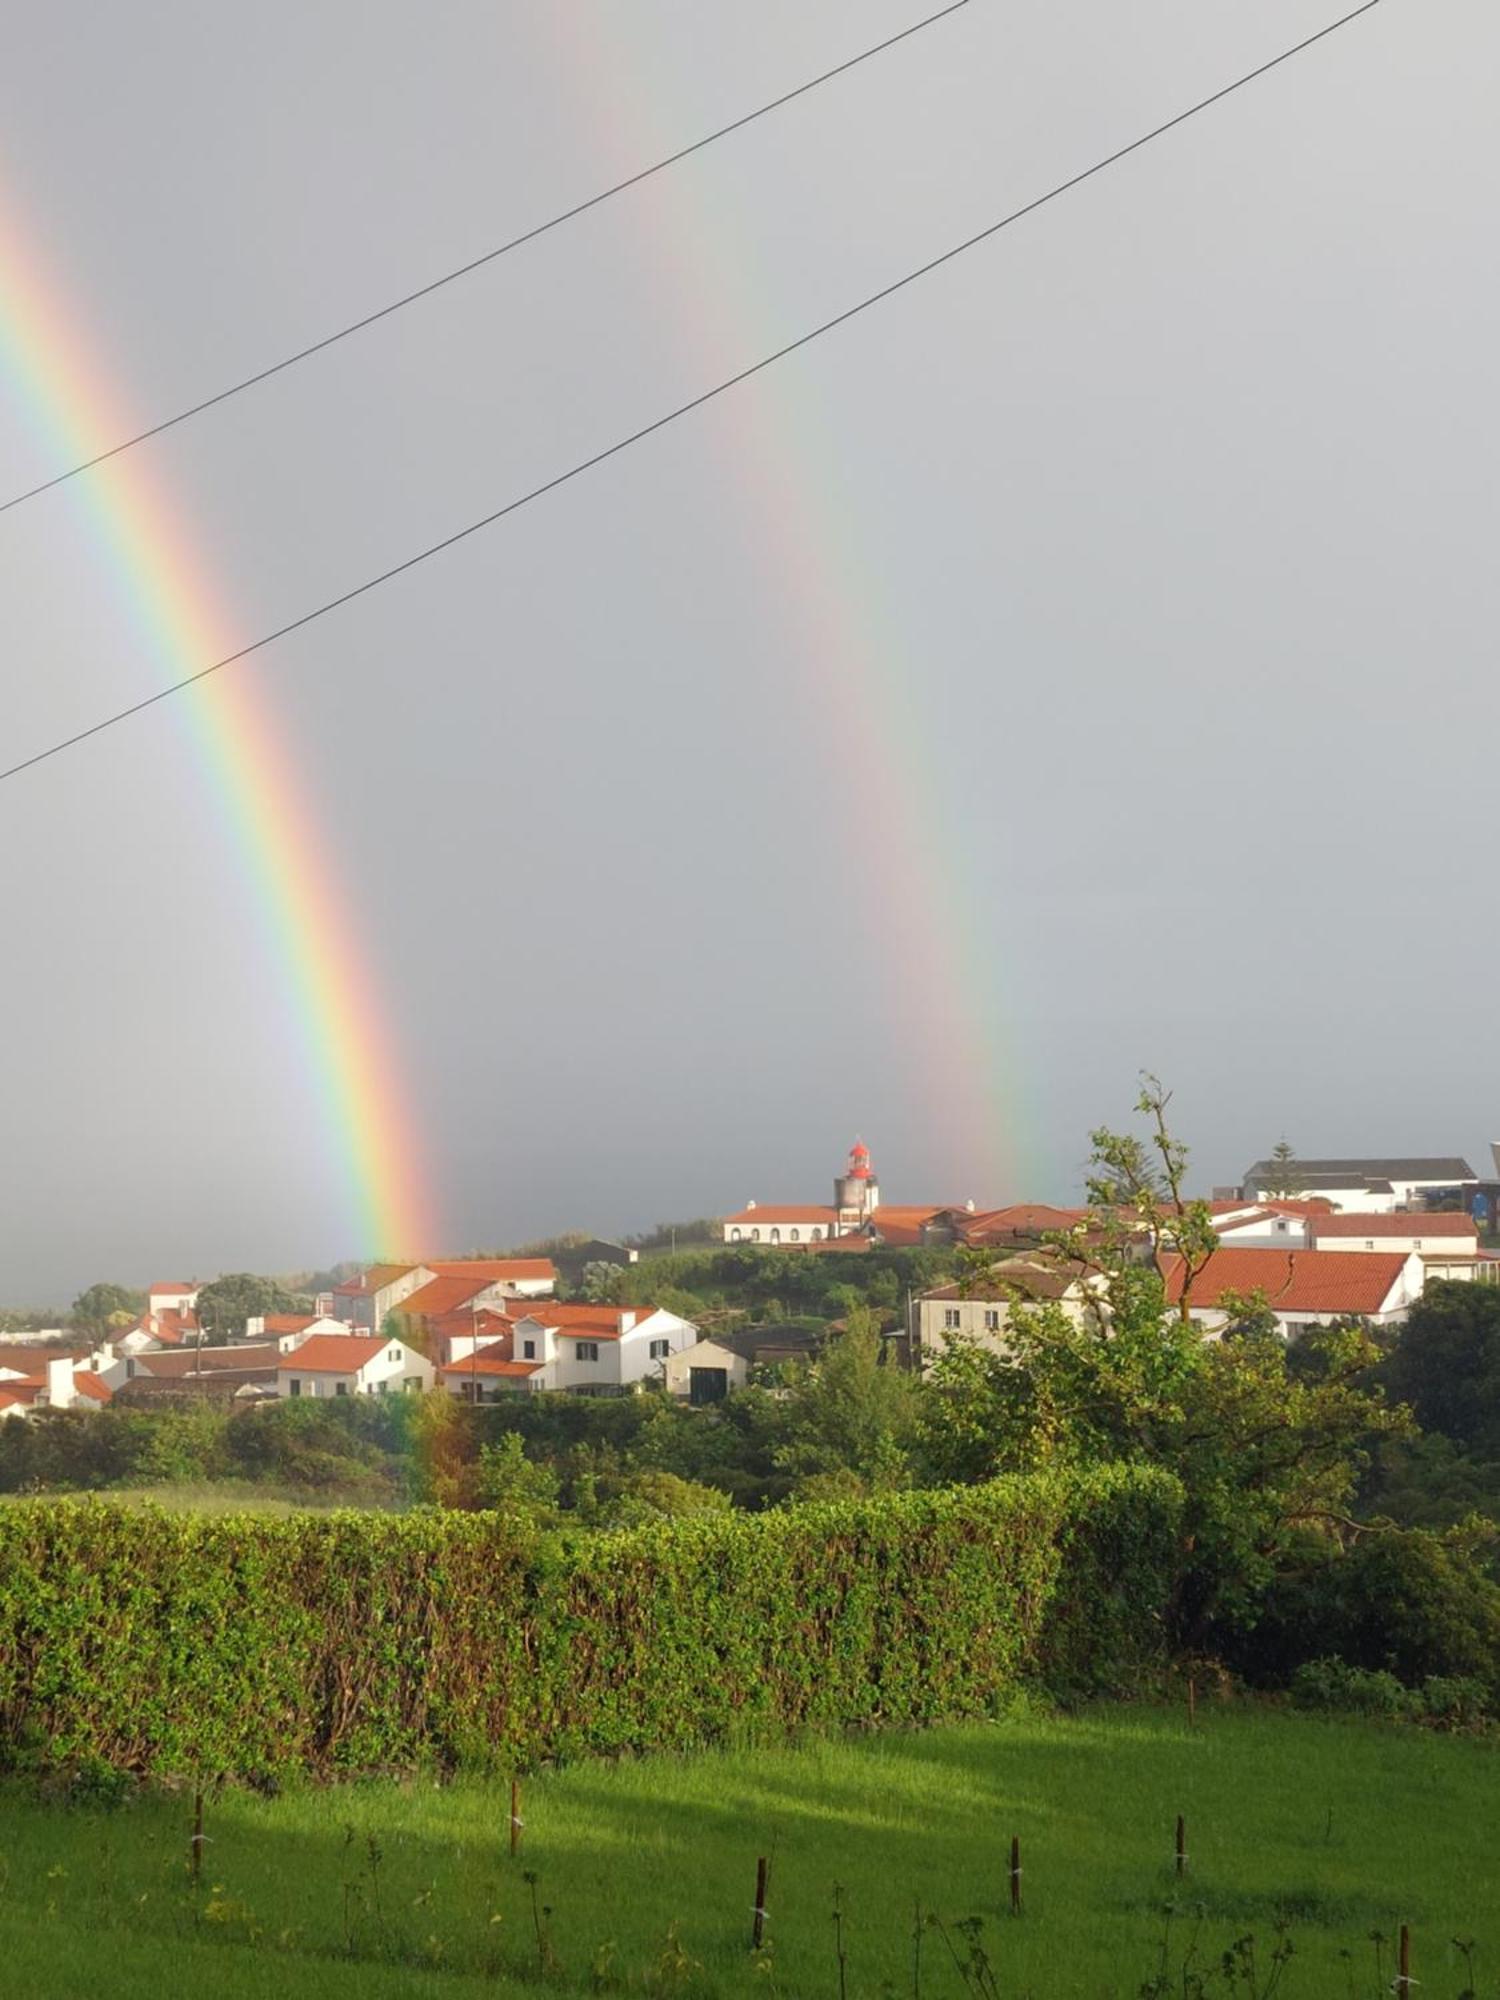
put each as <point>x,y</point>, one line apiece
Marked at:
<point>1334,1829</point>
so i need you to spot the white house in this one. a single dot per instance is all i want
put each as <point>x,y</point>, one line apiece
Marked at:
<point>487,1374</point>
<point>1448,1244</point>
<point>351,1364</point>
<point>705,1372</point>
<point>600,1348</point>
<point>1253,1226</point>
<point>1378,1184</point>
<point>289,1330</point>
<point>1302,1288</point>
<point>172,1295</point>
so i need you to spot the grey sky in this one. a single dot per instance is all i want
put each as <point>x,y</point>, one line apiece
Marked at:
<point>1172,511</point>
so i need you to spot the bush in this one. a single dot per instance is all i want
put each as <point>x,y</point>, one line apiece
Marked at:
<point>1333,1684</point>
<point>252,1646</point>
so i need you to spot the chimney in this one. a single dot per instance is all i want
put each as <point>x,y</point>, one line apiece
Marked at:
<point>60,1390</point>
<point>627,1321</point>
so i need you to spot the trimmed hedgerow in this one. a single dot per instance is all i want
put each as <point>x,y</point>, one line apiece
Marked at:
<point>169,1644</point>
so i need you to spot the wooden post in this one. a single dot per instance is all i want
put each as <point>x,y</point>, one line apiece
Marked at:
<point>1192,1701</point>
<point>195,1845</point>
<point>515,1817</point>
<point>758,1922</point>
<point>1404,1980</point>
<point>1181,1844</point>
<point>1015,1874</point>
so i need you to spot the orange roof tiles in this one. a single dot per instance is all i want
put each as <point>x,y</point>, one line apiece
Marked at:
<point>443,1295</point>
<point>1295,1281</point>
<point>87,1383</point>
<point>488,1364</point>
<point>588,1322</point>
<point>1351,1223</point>
<point>774,1214</point>
<point>496,1270</point>
<point>376,1279</point>
<point>332,1354</point>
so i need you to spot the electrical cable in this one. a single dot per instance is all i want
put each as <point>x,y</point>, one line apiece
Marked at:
<point>478,263</point>
<point>683,409</point>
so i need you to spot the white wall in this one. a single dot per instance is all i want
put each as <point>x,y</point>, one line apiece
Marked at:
<point>388,1372</point>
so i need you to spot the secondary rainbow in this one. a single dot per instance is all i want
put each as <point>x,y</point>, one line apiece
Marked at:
<point>932,942</point>
<point>347,1051</point>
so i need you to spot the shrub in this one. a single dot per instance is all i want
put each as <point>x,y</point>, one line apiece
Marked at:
<point>252,1646</point>
<point>1333,1684</point>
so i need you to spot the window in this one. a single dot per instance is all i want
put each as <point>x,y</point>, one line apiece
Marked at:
<point>586,1350</point>
<point>395,1354</point>
<point>734,1235</point>
<point>991,1320</point>
<point>295,1385</point>
<point>528,1350</point>
<point>660,1349</point>
<point>950,1317</point>
<point>1369,1242</point>
<point>775,1235</point>
<point>755,1236</point>
<point>794,1235</point>
<point>817,1236</point>
<point>341,1388</point>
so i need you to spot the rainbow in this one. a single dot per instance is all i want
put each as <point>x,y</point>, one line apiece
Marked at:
<point>347,1053</point>
<point>925,909</point>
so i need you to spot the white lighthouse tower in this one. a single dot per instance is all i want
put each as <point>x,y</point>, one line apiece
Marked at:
<point>856,1193</point>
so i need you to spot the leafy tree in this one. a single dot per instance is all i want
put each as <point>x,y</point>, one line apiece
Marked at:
<point>105,1306</point>
<point>1285,1180</point>
<point>850,1414</point>
<point>662,1496</point>
<point>600,1283</point>
<point>1446,1364</point>
<point>225,1305</point>
<point>510,1484</point>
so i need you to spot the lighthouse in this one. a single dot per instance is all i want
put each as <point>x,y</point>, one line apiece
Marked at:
<point>856,1194</point>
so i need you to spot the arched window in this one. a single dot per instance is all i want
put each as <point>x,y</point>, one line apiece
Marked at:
<point>817,1235</point>
<point>775,1235</point>
<point>755,1236</point>
<point>734,1235</point>
<point>796,1235</point>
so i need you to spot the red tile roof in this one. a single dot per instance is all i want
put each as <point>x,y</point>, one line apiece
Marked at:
<point>1022,1218</point>
<point>587,1322</point>
<point>87,1383</point>
<point>496,1270</point>
<point>774,1214</point>
<point>332,1354</point>
<point>1351,1223</point>
<point>182,1286</point>
<point>443,1295</point>
<point>289,1322</point>
<point>1295,1281</point>
<point>375,1279</point>
<point>244,1359</point>
<point>489,1364</point>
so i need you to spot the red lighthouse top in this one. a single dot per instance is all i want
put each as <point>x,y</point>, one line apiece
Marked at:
<point>859,1162</point>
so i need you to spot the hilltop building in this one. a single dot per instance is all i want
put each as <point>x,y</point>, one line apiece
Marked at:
<point>855,1217</point>
<point>1368,1185</point>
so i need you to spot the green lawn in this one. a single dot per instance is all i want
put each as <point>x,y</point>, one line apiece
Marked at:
<point>648,1869</point>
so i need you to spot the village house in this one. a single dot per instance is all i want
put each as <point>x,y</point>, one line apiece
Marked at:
<point>979,1311</point>
<point>1382,1184</point>
<point>421,1290</point>
<point>54,1381</point>
<point>352,1365</point>
<point>1301,1288</point>
<point>1448,1244</point>
<point>599,1349</point>
<point>704,1373</point>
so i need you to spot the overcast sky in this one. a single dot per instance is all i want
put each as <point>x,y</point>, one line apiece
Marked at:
<point>1086,661</point>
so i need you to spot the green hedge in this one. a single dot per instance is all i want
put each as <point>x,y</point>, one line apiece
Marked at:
<point>171,1644</point>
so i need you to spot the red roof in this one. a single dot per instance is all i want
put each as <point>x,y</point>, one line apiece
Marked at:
<point>1296,1281</point>
<point>180,1285</point>
<point>375,1279</point>
<point>332,1354</point>
<point>496,1270</point>
<point>1352,1223</point>
<point>774,1215</point>
<point>1021,1218</point>
<point>289,1322</point>
<point>587,1322</point>
<point>87,1383</point>
<point>489,1364</point>
<point>443,1295</point>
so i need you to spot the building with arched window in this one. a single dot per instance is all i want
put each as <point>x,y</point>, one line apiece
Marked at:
<point>855,1217</point>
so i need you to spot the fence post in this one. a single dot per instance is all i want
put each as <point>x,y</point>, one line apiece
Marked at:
<point>758,1922</point>
<point>515,1817</point>
<point>195,1845</point>
<point>1404,1980</point>
<point>1015,1874</point>
<point>1181,1845</point>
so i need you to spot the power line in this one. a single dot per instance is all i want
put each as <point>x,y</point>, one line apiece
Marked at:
<point>478,263</point>
<point>685,409</point>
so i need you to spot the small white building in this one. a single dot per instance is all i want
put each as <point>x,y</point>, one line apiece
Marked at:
<point>1448,1244</point>
<point>1377,1184</point>
<point>346,1364</point>
<point>705,1373</point>
<point>979,1310</point>
<point>1301,1288</point>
